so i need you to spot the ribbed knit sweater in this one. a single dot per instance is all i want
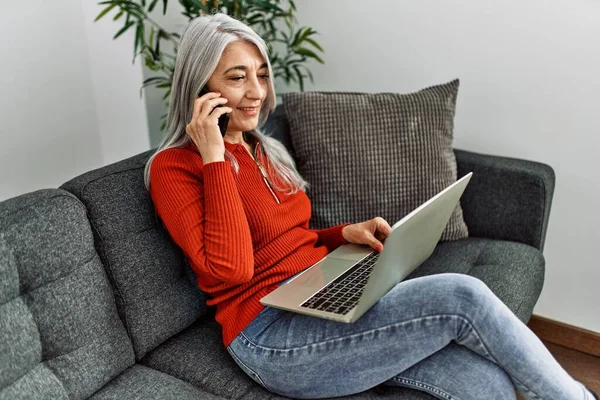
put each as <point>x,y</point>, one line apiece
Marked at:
<point>241,236</point>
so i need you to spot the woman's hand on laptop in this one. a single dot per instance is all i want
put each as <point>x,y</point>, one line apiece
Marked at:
<point>372,232</point>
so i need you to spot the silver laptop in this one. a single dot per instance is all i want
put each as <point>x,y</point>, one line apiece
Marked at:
<point>352,278</point>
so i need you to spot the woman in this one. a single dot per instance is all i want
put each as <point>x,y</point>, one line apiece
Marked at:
<point>235,204</point>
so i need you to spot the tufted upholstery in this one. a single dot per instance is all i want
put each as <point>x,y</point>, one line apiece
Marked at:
<point>501,265</point>
<point>157,296</point>
<point>60,335</point>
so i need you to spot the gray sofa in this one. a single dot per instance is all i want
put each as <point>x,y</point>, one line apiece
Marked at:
<point>96,301</point>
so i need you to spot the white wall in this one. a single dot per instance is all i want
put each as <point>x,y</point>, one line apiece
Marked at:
<point>62,113</point>
<point>172,21</point>
<point>116,81</point>
<point>530,78</point>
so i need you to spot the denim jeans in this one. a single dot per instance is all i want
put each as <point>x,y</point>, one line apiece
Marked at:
<point>445,334</point>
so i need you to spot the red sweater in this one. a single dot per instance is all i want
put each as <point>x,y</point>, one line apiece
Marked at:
<point>240,237</point>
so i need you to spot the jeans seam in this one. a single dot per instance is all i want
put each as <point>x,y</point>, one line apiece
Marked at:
<point>245,366</point>
<point>422,386</point>
<point>248,341</point>
<point>491,355</point>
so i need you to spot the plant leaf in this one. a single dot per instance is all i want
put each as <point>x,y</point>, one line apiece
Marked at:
<point>139,37</point>
<point>310,75</point>
<point>309,53</point>
<point>315,44</point>
<point>151,64</point>
<point>307,32</point>
<point>297,38</point>
<point>105,11</point>
<point>151,38</point>
<point>123,29</point>
<point>154,80</point>
<point>300,77</point>
<point>152,5</point>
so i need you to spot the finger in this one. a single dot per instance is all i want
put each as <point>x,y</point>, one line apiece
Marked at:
<point>373,242</point>
<point>209,106</point>
<point>200,101</point>
<point>383,226</point>
<point>381,236</point>
<point>217,112</point>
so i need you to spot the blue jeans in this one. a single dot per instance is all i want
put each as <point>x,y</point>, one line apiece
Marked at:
<point>445,334</point>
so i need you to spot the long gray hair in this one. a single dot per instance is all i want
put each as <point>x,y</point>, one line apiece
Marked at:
<point>202,43</point>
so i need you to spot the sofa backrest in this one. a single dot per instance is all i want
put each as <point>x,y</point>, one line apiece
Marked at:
<point>155,290</point>
<point>278,127</point>
<point>60,334</point>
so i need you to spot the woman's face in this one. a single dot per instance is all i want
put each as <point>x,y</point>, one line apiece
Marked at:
<point>242,77</point>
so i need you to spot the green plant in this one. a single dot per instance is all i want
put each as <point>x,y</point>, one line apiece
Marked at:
<point>264,16</point>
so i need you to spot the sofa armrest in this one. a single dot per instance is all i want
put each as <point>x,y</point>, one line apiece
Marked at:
<point>507,198</point>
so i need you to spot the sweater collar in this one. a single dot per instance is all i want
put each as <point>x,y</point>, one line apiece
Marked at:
<point>231,147</point>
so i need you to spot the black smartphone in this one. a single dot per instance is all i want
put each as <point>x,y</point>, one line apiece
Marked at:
<point>223,119</point>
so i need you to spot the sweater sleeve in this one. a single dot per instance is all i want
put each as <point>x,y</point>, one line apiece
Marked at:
<point>331,237</point>
<point>203,213</point>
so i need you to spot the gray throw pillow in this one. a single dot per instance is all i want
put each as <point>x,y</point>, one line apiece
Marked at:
<point>366,155</point>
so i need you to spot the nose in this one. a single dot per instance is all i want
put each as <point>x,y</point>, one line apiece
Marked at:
<point>255,89</point>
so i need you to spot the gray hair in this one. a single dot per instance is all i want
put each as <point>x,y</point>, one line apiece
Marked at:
<point>202,43</point>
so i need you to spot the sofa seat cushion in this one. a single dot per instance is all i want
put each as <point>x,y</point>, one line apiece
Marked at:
<point>143,383</point>
<point>197,356</point>
<point>513,271</point>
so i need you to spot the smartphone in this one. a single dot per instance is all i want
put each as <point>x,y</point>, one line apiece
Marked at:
<point>223,119</point>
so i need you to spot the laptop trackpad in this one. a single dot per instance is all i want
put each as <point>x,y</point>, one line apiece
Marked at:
<point>353,252</point>
<point>323,273</point>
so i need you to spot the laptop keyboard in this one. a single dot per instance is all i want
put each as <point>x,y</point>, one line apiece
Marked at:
<point>342,294</point>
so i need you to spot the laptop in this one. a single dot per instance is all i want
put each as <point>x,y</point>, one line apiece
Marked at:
<point>351,279</point>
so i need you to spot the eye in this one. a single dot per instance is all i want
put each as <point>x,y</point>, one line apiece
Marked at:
<point>265,76</point>
<point>237,78</point>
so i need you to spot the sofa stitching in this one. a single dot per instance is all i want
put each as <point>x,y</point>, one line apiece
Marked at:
<point>107,263</point>
<point>29,206</point>
<point>69,196</point>
<point>116,286</point>
<point>63,276</point>
<point>544,195</point>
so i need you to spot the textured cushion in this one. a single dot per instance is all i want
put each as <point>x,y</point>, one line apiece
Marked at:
<point>368,155</point>
<point>60,334</point>
<point>142,383</point>
<point>156,292</point>
<point>507,198</point>
<point>197,356</point>
<point>514,271</point>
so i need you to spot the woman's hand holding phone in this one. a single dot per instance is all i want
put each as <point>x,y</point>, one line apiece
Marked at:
<point>204,130</point>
